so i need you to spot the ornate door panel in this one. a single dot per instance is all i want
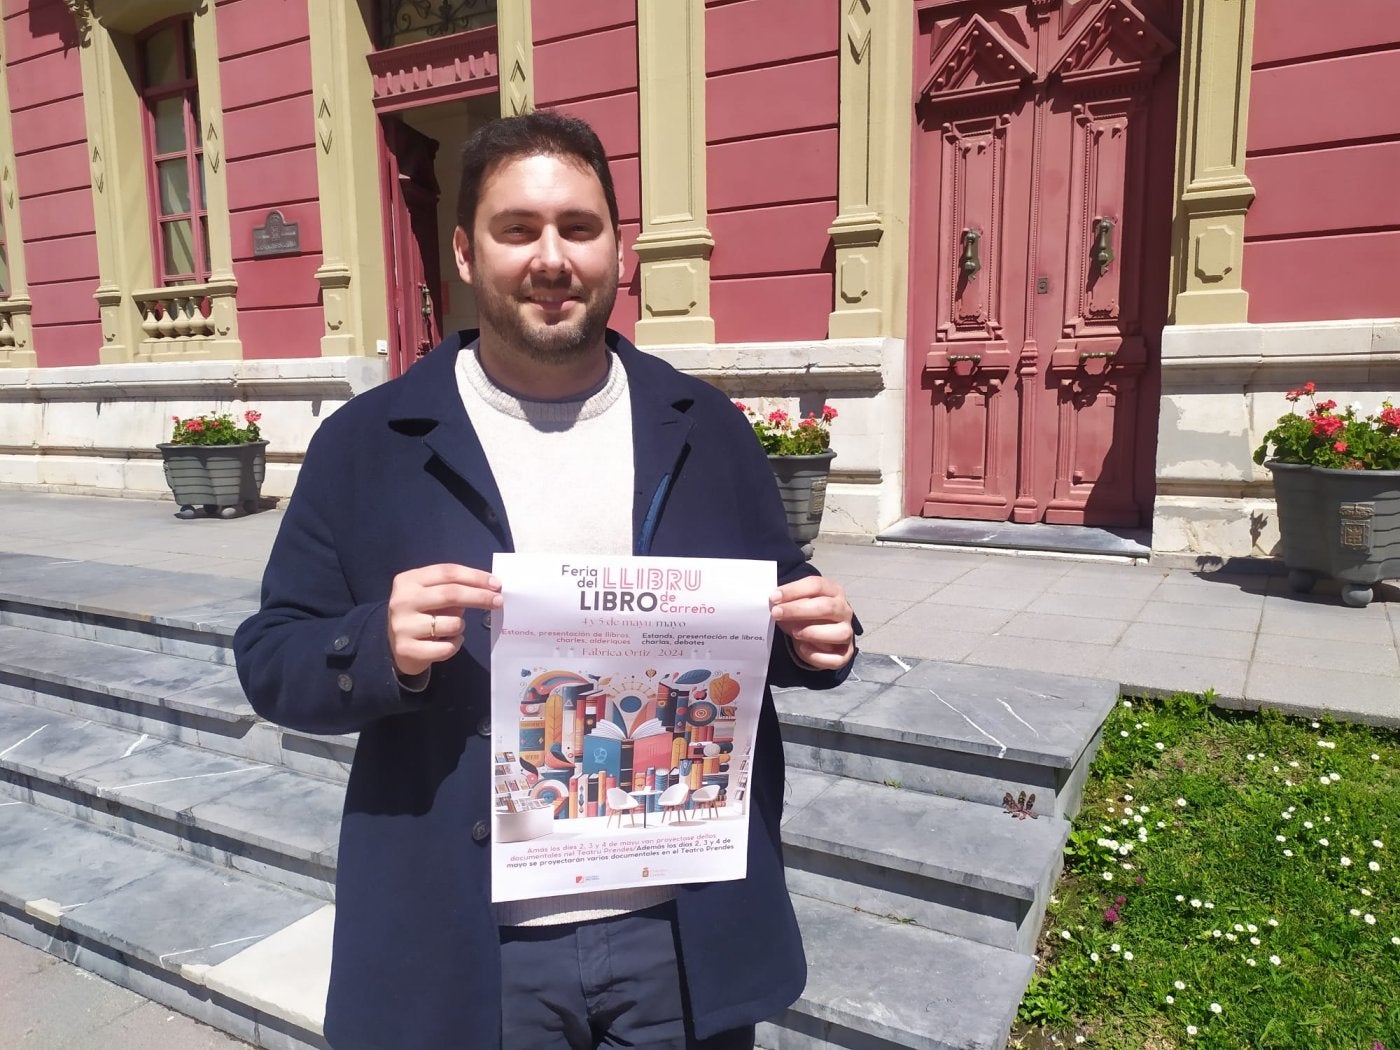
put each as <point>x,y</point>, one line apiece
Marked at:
<point>1032,374</point>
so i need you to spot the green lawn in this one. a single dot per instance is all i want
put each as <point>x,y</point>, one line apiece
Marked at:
<point>1233,880</point>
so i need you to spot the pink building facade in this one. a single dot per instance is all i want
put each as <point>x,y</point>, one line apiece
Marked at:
<point>1015,244</point>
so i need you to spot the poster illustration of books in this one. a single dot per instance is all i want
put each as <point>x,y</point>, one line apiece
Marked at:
<point>625,702</point>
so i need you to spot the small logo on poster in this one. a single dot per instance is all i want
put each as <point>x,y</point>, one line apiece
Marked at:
<point>646,873</point>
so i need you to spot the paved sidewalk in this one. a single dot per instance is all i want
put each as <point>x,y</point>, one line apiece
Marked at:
<point>1146,627</point>
<point>46,1004</point>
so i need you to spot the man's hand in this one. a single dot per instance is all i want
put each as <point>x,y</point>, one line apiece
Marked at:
<point>426,608</point>
<point>814,614</point>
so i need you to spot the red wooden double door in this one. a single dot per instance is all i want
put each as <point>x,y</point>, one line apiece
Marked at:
<point>1043,164</point>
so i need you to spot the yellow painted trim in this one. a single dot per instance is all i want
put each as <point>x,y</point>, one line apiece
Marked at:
<point>16,333</point>
<point>871,231</point>
<point>353,268</point>
<point>515,59</point>
<point>1212,190</point>
<point>675,243</point>
<point>121,204</point>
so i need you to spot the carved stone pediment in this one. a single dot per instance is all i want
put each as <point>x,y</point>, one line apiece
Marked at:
<point>976,62</point>
<point>1116,43</point>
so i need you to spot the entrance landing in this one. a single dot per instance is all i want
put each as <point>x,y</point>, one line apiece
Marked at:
<point>1129,544</point>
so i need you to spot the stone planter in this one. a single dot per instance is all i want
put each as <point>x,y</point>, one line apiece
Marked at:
<point>802,484</point>
<point>1344,524</point>
<point>224,480</point>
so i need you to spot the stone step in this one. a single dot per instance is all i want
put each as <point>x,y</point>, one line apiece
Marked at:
<point>959,730</point>
<point>873,984</point>
<point>177,613</point>
<point>176,698</point>
<point>231,950</point>
<point>959,867</point>
<point>265,820</point>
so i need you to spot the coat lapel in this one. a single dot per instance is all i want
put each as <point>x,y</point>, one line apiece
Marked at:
<point>660,429</point>
<point>428,402</point>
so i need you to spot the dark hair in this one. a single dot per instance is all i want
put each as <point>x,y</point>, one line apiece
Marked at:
<point>541,133</point>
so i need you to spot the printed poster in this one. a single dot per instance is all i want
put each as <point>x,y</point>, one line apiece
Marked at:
<point>625,702</point>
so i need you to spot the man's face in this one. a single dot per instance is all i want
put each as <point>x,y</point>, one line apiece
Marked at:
<point>543,258</point>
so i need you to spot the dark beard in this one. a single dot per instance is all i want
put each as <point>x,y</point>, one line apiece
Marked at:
<point>549,344</point>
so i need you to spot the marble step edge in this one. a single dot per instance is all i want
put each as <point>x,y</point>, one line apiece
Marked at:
<point>961,708</point>
<point>927,990</point>
<point>181,715</point>
<point>216,621</point>
<point>1004,857</point>
<point>212,646</point>
<point>86,667</point>
<point>267,988</point>
<point>169,812</point>
<point>139,594</point>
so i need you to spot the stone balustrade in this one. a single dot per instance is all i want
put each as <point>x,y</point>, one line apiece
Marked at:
<point>186,320</point>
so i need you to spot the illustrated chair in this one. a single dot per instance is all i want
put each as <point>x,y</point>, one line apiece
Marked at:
<point>672,800</point>
<point>706,798</point>
<point>620,802</point>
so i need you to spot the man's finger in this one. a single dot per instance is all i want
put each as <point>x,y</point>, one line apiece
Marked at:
<point>821,609</point>
<point>449,573</point>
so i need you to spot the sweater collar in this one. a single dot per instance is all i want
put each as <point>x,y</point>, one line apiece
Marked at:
<point>426,401</point>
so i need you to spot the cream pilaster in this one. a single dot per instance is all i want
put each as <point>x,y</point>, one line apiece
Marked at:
<point>1212,191</point>
<point>351,275</point>
<point>16,336</point>
<point>674,247</point>
<point>118,188</point>
<point>515,62</point>
<point>870,233</point>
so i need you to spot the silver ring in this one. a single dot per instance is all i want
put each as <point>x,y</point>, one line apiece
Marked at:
<point>432,627</point>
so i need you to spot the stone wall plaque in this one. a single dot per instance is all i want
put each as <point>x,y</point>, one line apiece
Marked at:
<point>276,236</point>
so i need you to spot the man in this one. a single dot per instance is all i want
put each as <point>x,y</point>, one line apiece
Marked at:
<point>546,433</point>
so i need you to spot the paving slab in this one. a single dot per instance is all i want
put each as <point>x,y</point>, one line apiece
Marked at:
<point>1059,628</point>
<point>1148,673</point>
<point>1191,641</point>
<point>920,642</point>
<point>1310,691</point>
<point>48,1004</point>
<point>1003,651</point>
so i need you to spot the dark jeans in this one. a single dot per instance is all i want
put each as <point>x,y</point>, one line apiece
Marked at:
<point>610,982</point>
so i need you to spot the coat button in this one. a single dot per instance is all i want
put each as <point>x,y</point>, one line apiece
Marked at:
<point>491,517</point>
<point>484,727</point>
<point>481,831</point>
<point>341,642</point>
<point>486,620</point>
<point>345,682</point>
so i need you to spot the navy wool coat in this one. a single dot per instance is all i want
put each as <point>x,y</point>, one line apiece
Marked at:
<point>394,480</point>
